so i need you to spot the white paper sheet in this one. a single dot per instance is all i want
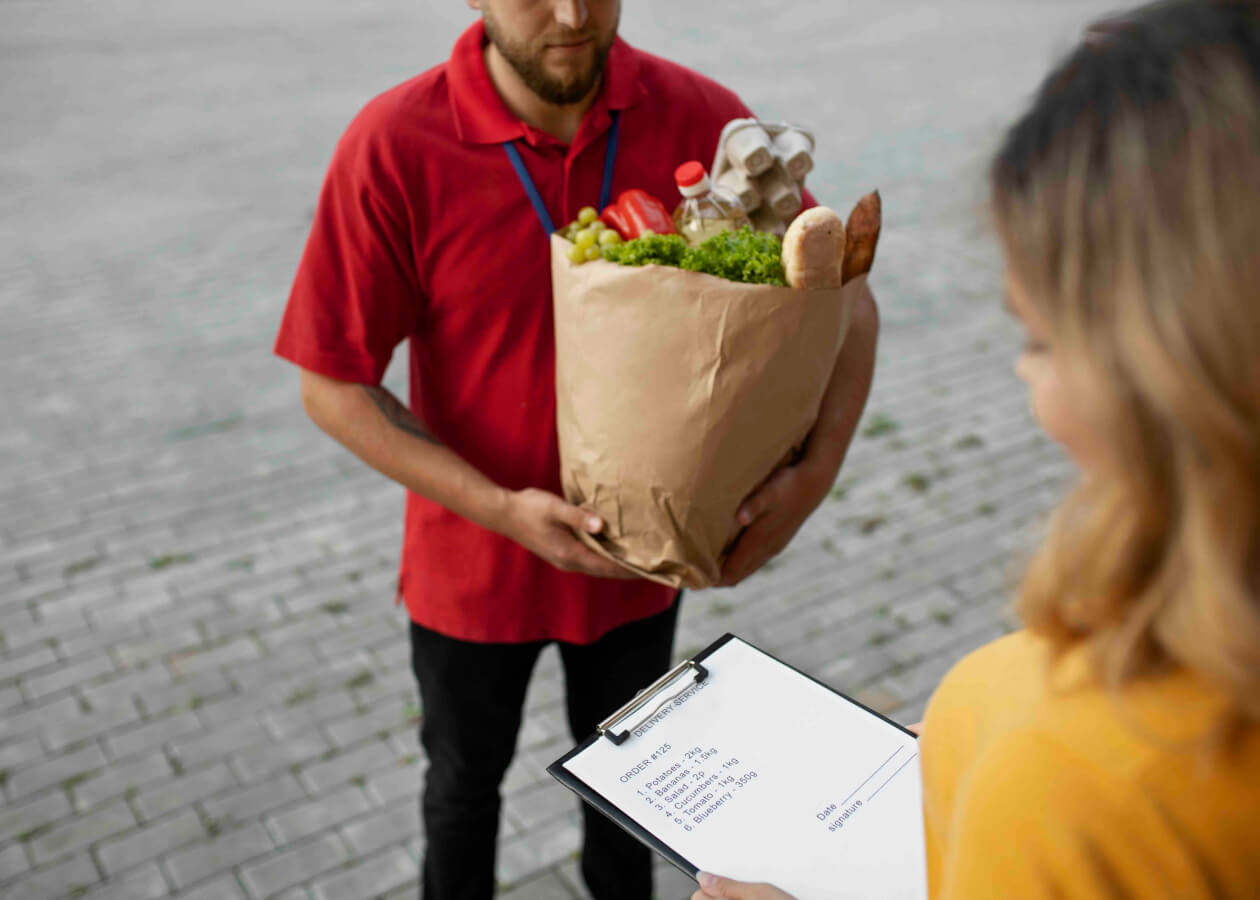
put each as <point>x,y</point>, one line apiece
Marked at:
<point>759,773</point>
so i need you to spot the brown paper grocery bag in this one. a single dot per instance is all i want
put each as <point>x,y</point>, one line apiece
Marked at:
<point>677,393</point>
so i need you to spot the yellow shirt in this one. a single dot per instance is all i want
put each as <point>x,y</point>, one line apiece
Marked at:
<point>1038,783</point>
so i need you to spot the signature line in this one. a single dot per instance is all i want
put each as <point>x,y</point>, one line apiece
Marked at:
<point>892,776</point>
<point>872,775</point>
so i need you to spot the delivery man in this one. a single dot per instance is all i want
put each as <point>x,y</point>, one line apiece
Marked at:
<point>427,231</point>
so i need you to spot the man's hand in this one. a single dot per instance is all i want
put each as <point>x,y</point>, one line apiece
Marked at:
<point>712,886</point>
<point>771,516</point>
<point>543,524</point>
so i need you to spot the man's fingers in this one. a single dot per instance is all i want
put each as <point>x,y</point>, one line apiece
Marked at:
<point>762,499</point>
<point>738,564</point>
<point>577,518</point>
<point>591,563</point>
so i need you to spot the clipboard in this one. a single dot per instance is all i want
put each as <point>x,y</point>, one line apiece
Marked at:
<point>635,732</point>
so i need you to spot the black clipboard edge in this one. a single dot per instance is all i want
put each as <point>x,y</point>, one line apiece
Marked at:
<point>557,770</point>
<point>728,637</point>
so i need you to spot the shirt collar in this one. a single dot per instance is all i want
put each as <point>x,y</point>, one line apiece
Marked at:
<point>481,116</point>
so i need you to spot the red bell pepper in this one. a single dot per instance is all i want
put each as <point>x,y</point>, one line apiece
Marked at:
<point>636,212</point>
<point>614,218</point>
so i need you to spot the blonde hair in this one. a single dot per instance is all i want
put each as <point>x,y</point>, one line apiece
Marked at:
<point>1127,200</point>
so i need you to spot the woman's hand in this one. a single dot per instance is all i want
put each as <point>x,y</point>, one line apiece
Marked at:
<point>713,886</point>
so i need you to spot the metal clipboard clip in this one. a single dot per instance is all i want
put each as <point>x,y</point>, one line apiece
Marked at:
<point>646,696</point>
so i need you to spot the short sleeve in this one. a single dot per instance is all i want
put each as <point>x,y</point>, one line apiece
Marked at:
<point>355,296</point>
<point>1035,821</point>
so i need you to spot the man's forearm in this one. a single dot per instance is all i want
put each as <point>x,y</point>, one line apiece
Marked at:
<point>376,427</point>
<point>846,393</point>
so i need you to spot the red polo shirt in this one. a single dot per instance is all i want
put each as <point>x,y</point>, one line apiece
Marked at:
<point>423,232</point>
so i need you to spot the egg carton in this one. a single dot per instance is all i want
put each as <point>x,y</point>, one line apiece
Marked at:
<point>764,164</point>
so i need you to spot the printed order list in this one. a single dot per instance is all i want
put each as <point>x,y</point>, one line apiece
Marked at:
<point>760,774</point>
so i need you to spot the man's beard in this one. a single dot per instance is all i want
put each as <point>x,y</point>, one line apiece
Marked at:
<point>528,64</point>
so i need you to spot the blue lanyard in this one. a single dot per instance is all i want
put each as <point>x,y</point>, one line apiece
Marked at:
<point>605,191</point>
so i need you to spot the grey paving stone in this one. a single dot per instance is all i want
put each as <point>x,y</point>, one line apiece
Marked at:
<point>119,778</point>
<point>387,715</point>
<point>671,884</point>
<point>359,762</point>
<point>18,820</point>
<point>328,809</point>
<point>57,881</point>
<point>148,648</point>
<point>535,806</point>
<point>26,661</point>
<point>289,867</point>
<point>209,693</point>
<point>69,600</point>
<point>255,763</point>
<point>153,734</point>
<point>22,630</point>
<point>81,831</point>
<point>236,650</point>
<point>394,824</point>
<point>233,706</point>
<point>74,727</point>
<point>349,640</point>
<point>227,888</point>
<point>194,863</point>
<point>19,752</point>
<point>32,719</point>
<point>237,622</point>
<point>219,742</point>
<point>549,886</point>
<point>136,603</point>
<point>546,846</point>
<point>184,789</point>
<point>299,713</point>
<point>74,644</point>
<point>238,806</point>
<point>121,690</point>
<point>13,862</point>
<point>388,785</point>
<point>79,764</point>
<point>145,883</point>
<point>369,877</point>
<point>149,842</point>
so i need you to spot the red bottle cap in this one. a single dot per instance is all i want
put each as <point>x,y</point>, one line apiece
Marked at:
<point>688,174</point>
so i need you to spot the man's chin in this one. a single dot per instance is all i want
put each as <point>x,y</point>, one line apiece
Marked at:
<point>563,90</point>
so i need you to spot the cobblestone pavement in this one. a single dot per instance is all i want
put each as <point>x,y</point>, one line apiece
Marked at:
<point>204,686</point>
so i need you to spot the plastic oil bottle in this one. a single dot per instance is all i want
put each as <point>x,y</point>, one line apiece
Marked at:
<point>707,209</point>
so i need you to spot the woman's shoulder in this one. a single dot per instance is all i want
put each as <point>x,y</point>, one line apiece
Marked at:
<point>1066,766</point>
<point>995,679</point>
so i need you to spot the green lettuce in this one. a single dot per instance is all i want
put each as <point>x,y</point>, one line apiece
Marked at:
<point>752,257</point>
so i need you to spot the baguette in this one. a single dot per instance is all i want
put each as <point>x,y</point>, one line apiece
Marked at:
<point>863,235</point>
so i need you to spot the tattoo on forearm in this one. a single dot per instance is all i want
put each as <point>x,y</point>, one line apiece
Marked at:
<point>398,415</point>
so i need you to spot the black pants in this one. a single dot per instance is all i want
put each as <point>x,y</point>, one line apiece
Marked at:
<point>471,696</point>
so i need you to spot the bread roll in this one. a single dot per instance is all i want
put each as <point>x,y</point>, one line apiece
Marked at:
<point>813,249</point>
<point>863,235</point>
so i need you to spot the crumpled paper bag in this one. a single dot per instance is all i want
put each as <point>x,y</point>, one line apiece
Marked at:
<point>678,393</point>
